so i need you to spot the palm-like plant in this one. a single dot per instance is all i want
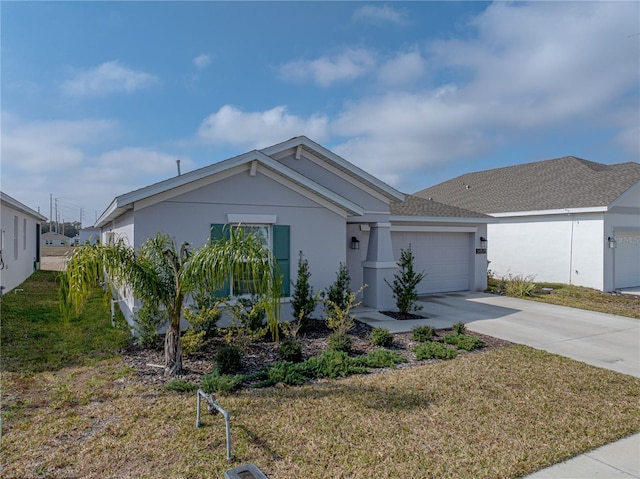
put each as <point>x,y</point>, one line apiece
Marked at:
<point>158,273</point>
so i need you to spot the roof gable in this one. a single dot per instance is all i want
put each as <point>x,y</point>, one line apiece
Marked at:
<point>195,179</point>
<point>558,184</point>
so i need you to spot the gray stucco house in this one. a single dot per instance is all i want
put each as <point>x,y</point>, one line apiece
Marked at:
<point>302,197</point>
<point>564,220</point>
<point>19,242</point>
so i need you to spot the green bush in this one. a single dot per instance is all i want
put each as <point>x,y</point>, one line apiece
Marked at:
<point>462,341</point>
<point>405,283</point>
<point>228,359</point>
<point>287,373</point>
<point>290,350</point>
<point>459,328</point>
<point>381,337</point>
<point>380,358</point>
<point>331,364</point>
<point>303,301</point>
<point>430,349</point>
<point>181,386</point>
<point>518,286</point>
<point>192,341</point>
<point>148,319</point>
<point>340,342</point>
<point>423,333</point>
<point>216,383</point>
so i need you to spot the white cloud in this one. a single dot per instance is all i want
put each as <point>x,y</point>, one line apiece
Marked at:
<point>259,129</point>
<point>381,14</point>
<point>109,77</point>
<point>403,69</point>
<point>202,61</point>
<point>327,70</point>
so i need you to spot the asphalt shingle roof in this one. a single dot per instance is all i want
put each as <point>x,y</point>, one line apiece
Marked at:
<point>567,182</point>
<point>416,206</point>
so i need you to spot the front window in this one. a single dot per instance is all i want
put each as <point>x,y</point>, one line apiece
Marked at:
<point>245,286</point>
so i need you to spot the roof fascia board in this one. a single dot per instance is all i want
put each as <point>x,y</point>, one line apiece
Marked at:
<point>433,229</point>
<point>365,177</point>
<point>15,204</point>
<point>441,219</point>
<point>565,211</point>
<point>624,193</point>
<point>328,199</point>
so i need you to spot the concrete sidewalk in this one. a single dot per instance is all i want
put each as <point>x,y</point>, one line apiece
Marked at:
<point>604,340</point>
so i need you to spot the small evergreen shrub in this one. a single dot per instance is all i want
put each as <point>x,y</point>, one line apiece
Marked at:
<point>338,292</point>
<point>287,373</point>
<point>381,337</point>
<point>331,364</point>
<point>303,301</point>
<point>405,283</point>
<point>462,341</point>
<point>380,358</point>
<point>423,333</point>
<point>430,350</point>
<point>148,320</point>
<point>290,350</point>
<point>340,342</point>
<point>192,341</point>
<point>216,383</point>
<point>459,328</point>
<point>228,359</point>
<point>180,386</point>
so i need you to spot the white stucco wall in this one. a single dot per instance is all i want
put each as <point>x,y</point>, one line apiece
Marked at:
<point>564,248</point>
<point>19,249</point>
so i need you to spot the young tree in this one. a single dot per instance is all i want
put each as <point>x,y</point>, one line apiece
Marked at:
<point>303,300</point>
<point>158,273</point>
<point>405,283</point>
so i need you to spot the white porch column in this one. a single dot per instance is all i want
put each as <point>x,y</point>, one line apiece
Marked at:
<point>379,266</point>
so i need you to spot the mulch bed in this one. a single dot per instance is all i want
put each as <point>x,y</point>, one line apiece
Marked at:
<point>148,362</point>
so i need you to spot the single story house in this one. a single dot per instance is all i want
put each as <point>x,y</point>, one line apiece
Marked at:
<point>19,242</point>
<point>301,197</point>
<point>88,236</point>
<point>51,238</point>
<point>565,220</point>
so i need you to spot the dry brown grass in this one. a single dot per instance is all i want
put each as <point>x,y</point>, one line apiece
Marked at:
<point>499,414</point>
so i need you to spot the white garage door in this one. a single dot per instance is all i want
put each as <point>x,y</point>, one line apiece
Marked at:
<point>627,259</point>
<point>444,257</point>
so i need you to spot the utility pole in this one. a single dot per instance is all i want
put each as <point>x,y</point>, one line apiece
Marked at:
<point>50,212</point>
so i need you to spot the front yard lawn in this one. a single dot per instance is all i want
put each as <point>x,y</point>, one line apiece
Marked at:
<point>500,413</point>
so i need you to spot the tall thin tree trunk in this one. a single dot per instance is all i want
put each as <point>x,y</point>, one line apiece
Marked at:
<point>172,352</point>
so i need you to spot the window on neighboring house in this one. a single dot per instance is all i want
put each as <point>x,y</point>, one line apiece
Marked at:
<point>15,237</point>
<point>274,237</point>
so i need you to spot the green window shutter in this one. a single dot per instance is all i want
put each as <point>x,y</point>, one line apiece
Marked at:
<point>219,231</point>
<point>282,253</point>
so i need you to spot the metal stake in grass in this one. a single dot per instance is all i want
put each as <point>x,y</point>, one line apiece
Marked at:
<point>213,406</point>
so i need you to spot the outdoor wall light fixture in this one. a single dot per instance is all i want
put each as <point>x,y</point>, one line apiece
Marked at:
<point>483,242</point>
<point>355,243</point>
<point>612,242</point>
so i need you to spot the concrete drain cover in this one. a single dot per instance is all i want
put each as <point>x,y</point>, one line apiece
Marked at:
<point>248,471</point>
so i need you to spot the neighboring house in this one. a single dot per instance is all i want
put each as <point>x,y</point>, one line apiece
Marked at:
<point>89,236</point>
<point>300,196</point>
<point>19,242</point>
<point>565,220</point>
<point>51,238</point>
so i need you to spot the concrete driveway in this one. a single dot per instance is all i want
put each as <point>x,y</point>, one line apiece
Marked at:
<point>599,339</point>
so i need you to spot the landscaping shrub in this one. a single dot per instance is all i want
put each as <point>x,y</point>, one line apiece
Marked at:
<point>340,342</point>
<point>287,373</point>
<point>380,358</point>
<point>332,364</point>
<point>463,341</point>
<point>181,386</point>
<point>192,341</point>
<point>338,291</point>
<point>430,349</point>
<point>459,328</point>
<point>146,323</point>
<point>423,333</point>
<point>519,286</point>
<point>216,383</point>
<point>405,283</point>
<point>228,359</point>
<point>290,350</point>
<point>381,337</point>
<point>303,301</point>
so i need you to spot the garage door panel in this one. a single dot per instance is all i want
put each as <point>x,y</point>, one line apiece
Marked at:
<point>443,256</point>
<point>627,259</point>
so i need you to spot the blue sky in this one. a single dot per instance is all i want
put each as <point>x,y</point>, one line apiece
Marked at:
<point>100,98</point>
